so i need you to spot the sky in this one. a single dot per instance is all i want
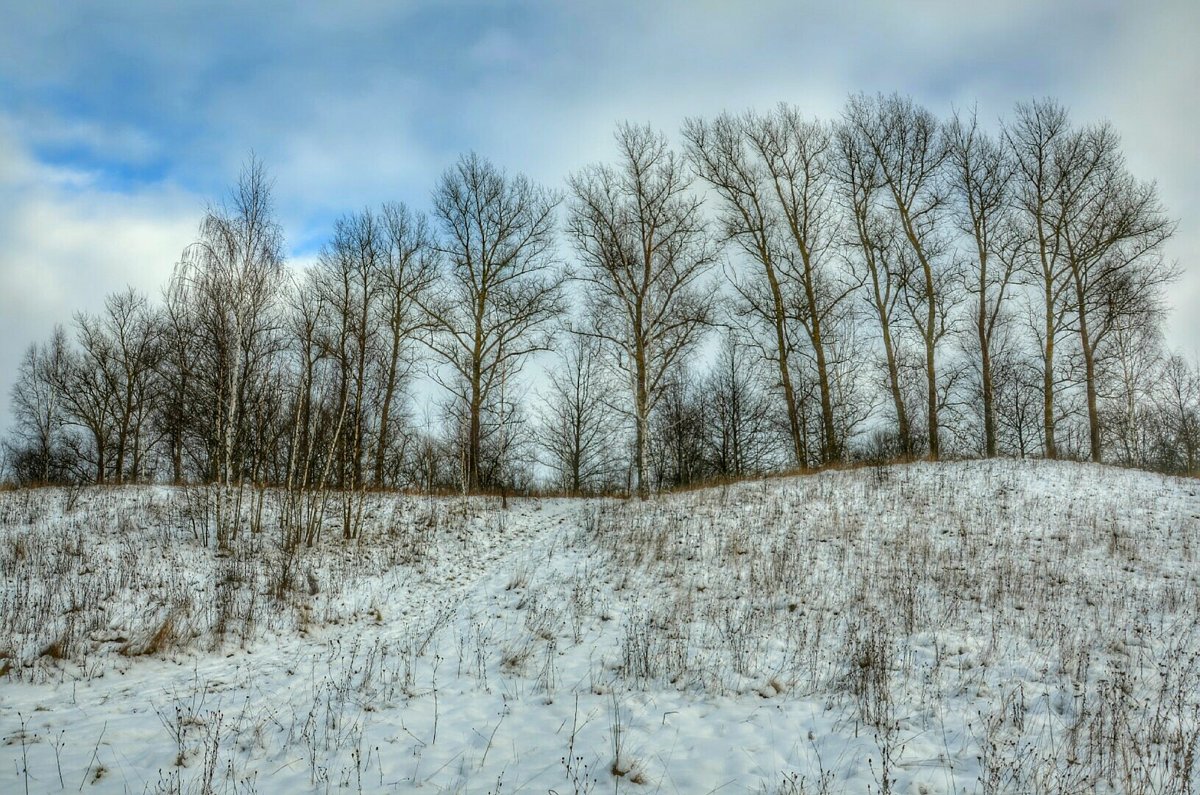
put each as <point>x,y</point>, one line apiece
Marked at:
<point>120,122</point>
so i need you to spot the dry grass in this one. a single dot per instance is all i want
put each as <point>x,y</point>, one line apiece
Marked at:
<point>102,571</point>
<point>1067,618</point>
<point>1033,619</point>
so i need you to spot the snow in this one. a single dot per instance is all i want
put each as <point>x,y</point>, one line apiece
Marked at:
<point>961,627</point>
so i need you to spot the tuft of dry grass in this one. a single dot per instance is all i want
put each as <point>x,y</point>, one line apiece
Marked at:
<point>161,638</point>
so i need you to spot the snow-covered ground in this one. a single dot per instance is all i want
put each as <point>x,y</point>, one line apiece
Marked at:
<point>970,627</point>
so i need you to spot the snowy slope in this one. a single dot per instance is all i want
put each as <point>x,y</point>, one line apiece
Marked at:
<point>967,627</point>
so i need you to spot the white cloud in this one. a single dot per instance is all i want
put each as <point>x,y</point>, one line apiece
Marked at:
<point>68,243</point>
<point>121,142</point>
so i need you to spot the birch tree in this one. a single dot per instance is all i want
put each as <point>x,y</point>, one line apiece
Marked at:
<point>233,277</point>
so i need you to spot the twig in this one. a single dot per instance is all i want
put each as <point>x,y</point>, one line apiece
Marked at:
<point>95,751</point>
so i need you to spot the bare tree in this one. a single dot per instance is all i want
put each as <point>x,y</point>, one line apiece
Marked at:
<point>1096,235</point>
<point>90,399</point>
<point>499,286</point>
<point>508,451</point>
<point>645,248</point>
<point>122,345</point>
<point>348,277</point>
<point>906,143</point>
<point>36,447</point>
<point>720,154</point>
<point>1131,371</point>
<point>740,432</point>
<point>1113,244</point>
<point>175,421</point>
<point>677,432</point>
<point>799,155</point>
<point>304,320</point>
<point>1017,401</point>
<point>348,284</point>
<point>578,435</point>
<point>872,250</point>
<point>981,181</point>
<point>1178,416</point>
<point>1046,152</point>
<point>407,271</point>
<point>104,387</point>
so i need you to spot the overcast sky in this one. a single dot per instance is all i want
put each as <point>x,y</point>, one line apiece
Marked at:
<point>120,121</point>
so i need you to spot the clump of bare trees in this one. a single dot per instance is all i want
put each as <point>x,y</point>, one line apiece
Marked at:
<point>894,284</point>
<point>775,176</point>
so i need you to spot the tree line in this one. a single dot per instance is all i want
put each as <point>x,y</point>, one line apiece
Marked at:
<point>774,292</point>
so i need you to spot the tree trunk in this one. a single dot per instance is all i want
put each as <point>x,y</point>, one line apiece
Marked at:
<point>122,441</point>
<point>785,374</point>
<point>1048,378</point>
<point>385,419</point>
<point>100,444</point>
<point>928,333</point>
<point>474,431</point>
<point>931,391</point>
<point>830,446</point>
<point>893,367</point>
<point>1089,364</point>
<point>642,432</point>
<point>989,412</point>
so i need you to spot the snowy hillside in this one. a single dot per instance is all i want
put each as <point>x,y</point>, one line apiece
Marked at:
<point>977,627</point>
